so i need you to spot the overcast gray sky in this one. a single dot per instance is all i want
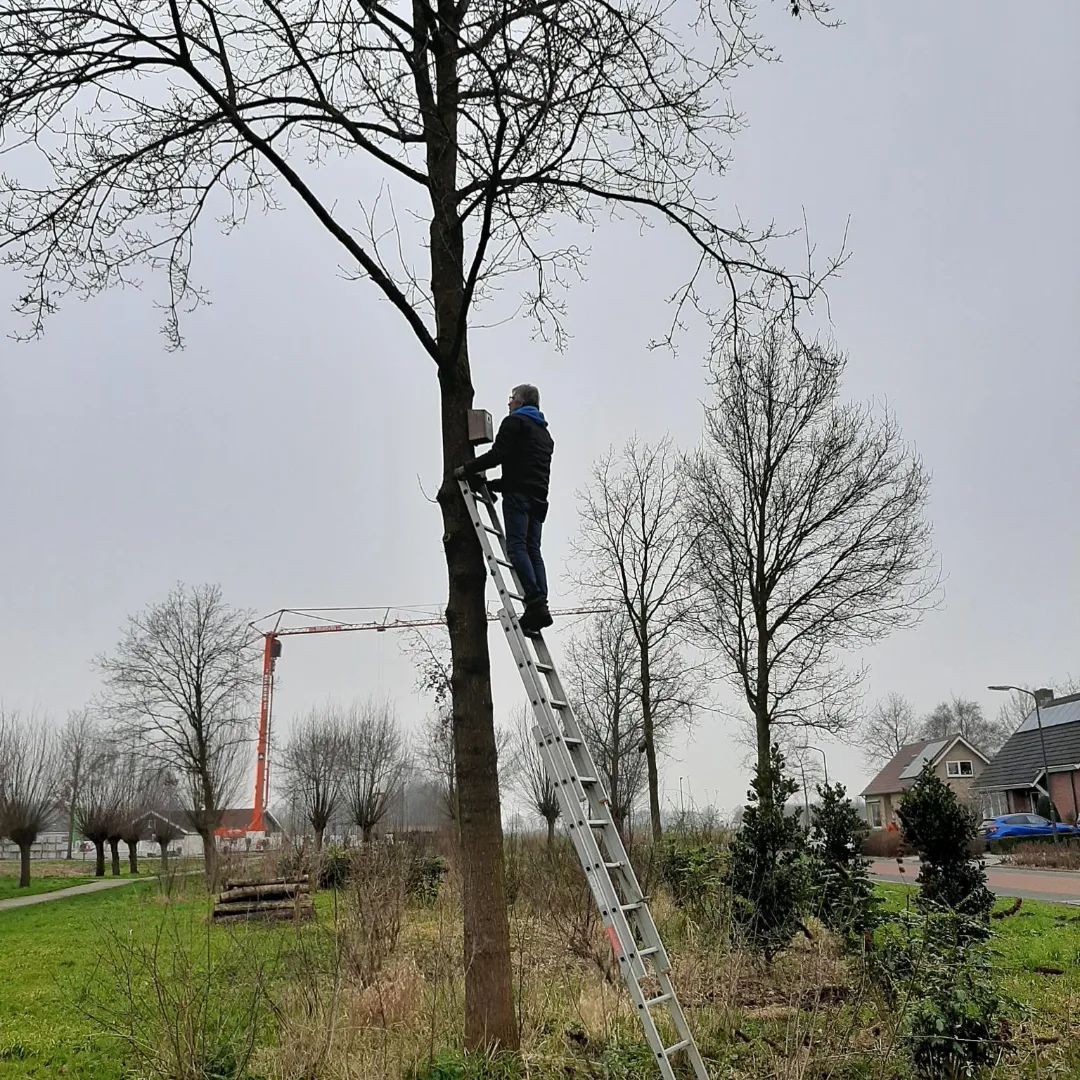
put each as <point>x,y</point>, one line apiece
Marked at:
<point>284,452</point>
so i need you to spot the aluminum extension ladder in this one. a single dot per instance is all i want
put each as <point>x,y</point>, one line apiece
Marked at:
<point>643,960</point>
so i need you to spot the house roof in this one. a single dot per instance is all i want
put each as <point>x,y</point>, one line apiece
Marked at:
<point>240,818</point>
<point>903,770</point>
<point>1020,761</point>
<point>177,818</point>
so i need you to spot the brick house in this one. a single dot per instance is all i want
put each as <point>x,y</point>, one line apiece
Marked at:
<point>1014,780</point>
<point>954,760</point>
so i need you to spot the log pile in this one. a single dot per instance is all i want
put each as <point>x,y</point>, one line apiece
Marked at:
<point>280,898</point>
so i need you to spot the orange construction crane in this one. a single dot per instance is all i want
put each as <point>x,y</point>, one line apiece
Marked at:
<point>319,621</point>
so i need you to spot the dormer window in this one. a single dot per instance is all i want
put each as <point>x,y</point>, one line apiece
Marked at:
<point>959,768</point>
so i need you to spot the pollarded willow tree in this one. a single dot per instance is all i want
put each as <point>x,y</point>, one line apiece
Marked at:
<point>485,120</point>
<point>809,534</point>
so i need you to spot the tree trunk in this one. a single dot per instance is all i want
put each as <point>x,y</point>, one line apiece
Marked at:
<point>24,866</point>
<point>319,838</point>
<point>210,853</point>
<point>114,851</point>
<point>551,832</point>
<point>762,722</point>
<point>164,845</point>
<point>489,1008</point>
<point>365,834</point>
<point>99,858</point>
<point>133,856</point>
<point>71,813</point>
<point>647,732</point>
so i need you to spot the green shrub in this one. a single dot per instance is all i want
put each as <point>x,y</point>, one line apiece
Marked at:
<point>424,876</point>
<point>843,894</point>
<point>768,877</point>
<point>940,828</point>
<point>931,967</point>
<point>694,871</point>
<point>334,867</point>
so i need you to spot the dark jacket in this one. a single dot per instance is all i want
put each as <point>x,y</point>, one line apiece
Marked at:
<point>523,447</point>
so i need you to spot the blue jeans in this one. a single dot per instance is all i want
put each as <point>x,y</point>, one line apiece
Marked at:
<point>523,520</point>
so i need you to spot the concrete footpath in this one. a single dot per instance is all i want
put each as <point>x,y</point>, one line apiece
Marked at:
<point>1056,886</point>
<point>75,890</point>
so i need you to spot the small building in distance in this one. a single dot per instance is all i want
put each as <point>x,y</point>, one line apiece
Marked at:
<point>953,759</point>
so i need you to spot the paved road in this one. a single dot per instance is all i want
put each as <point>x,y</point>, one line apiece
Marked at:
<point>75,890</point>
<point>1061,887</point>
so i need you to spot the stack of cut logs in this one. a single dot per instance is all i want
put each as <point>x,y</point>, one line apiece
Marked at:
<point>279,898</point>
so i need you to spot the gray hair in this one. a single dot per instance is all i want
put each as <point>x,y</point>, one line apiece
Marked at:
<point>527,394</point>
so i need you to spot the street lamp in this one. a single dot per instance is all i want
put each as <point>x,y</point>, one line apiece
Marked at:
<point>1042,696</point>
<point>824,761</point>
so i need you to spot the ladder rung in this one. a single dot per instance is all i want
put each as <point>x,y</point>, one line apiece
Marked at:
<point>544,669</point>
<point>615,865</point>
<point>491,529</point>
<point>677,1047</point>
<point>570,740</point>
<point>599,823</point>
<point>504,562</point>
<point>634,906</point>
<point>556,704</point>
<point>650,951</point>
<point>653,1002</point>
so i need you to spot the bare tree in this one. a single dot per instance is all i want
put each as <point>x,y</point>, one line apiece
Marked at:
<point>530,774</point>
<point>890,726</point>
<point>809,530</point>
<point>29,774</point>
<point>312,763</point>
<point>488,120</point>
<point>182,679</point>
<point>602,679</point>
<point>634,551</point>
<point>961,716</point>
<point>435,756</point>
<point>101,796</point>
<point>375,762</point>
<point>76,738</point>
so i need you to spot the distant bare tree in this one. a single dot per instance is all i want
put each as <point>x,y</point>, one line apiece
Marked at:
<point>313,766</point>
<point>530,775</point>
<point>889,726</point>
<point>29,782</point>
<point>634,553</point>
<point>76,738</point>
<point>375,761</point>
<point>182,679</point>
<point>101,797</point>
<point>961,716</point>
<point>602,679</point>
<point>434,749</point>
<point>809,530</point>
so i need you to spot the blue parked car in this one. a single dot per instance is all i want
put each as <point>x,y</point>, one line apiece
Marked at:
<point>1019,826</point>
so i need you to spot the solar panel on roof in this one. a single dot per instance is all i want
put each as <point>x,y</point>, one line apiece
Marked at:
<point>927,754</point>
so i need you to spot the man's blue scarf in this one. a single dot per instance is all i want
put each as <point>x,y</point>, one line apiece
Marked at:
<point>532,412</point>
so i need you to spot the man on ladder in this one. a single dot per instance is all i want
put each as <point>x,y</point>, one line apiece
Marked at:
<point>523,447</point>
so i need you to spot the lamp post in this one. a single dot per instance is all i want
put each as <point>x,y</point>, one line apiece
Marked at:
<point>824,761</point>
<point>1039,696</point>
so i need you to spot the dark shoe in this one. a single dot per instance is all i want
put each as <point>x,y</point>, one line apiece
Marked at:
<point>544,616</point>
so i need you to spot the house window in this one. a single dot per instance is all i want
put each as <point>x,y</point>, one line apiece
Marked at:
<point>959,768</point>
<point>873,814</point>
<point>995,804</point>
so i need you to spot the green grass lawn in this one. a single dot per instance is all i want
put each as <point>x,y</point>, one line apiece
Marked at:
<point>59,976</point>
<point>9,886</point>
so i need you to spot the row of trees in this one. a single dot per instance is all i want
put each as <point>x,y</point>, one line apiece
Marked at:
<point>793,533</point>
<point>89,779</point>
